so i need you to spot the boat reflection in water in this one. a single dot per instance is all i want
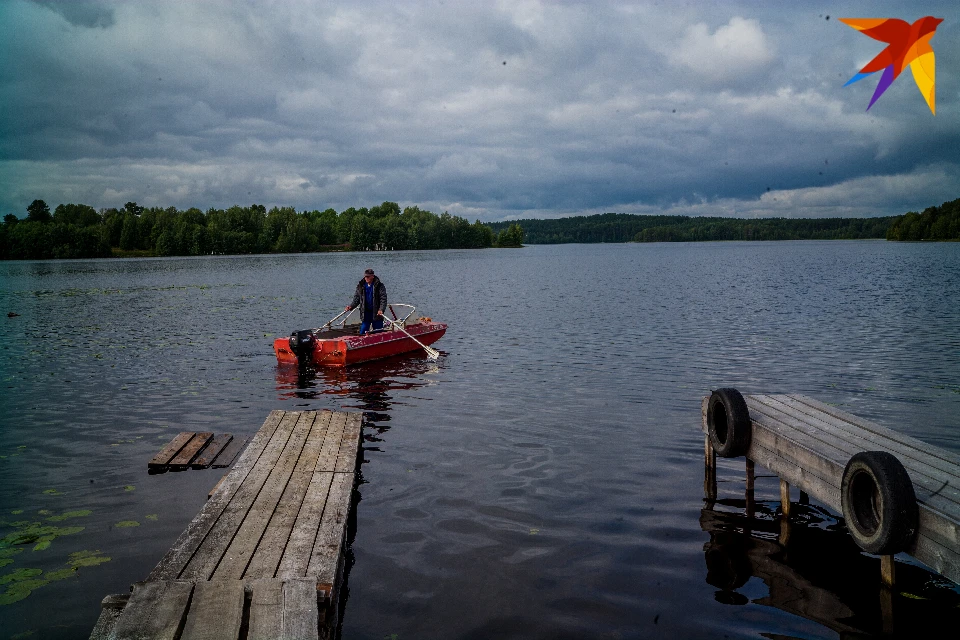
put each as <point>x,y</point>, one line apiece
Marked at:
<point>367,387</point>
<point>812,568</point>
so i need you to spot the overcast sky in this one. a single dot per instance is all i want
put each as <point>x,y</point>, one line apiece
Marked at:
<point>489,110</point>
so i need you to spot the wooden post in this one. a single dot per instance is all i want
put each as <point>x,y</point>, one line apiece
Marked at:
<point>887,572</point>
<point>785,497</point>
<point>750,482</point>
<point>710,470</point>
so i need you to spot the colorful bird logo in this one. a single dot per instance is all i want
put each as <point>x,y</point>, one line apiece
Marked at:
<point>907,44</point>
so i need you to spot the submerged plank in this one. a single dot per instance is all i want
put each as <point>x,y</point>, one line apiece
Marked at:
<point>229,453</point>
<point>189,452</point>
<point>173,448</point>
<point>208,455</point>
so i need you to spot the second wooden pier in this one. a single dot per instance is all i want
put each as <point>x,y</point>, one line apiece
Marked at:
<point>820,449</point>
<point>265,555</point>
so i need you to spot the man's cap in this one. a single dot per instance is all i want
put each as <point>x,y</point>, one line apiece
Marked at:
<point>368,272</point>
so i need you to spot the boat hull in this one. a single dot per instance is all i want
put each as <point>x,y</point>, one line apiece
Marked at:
<point>342,351</point>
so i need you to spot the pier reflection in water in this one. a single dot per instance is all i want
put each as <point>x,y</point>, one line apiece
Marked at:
<point>810,567</point>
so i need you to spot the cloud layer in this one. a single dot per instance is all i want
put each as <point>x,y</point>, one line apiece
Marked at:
<point>487,110</point>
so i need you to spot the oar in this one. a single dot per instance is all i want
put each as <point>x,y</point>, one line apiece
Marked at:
<point>432,353</point>
<point>333,319</point>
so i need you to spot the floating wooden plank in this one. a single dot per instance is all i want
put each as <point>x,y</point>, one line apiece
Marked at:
<point>216,611</point>
<point>156,611</point>
<point>183,459</point>
<point>210,453</point>
<point>228,454</point>
<point>167,454</point>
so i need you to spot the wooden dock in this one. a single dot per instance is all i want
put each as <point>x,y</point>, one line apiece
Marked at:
<point>809,444</point>
<point>265,555</point>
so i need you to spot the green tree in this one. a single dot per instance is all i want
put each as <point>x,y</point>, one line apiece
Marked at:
<point>38,211</point>
<point>512,236</point>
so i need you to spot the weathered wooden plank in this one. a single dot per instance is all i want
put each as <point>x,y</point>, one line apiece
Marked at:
<point>156,611</point>
<point>111,608</point>
<point>172,449</point>
<point>213,449</point>
<point>844,416</point>
<point>333,525</point>
<point>940,558</point>
<point>190,450</point>
<point>176,559</point>
<point>876,436</point>
<point>350,444</point>
<point>797,475</point>
<point>216,611</point>
<point>212,548</point>
<point>331,443</point>
<point>229,453</point>
<point>270,549</point>
<point>266,610</point>
<point>300,612</point>
<point>241,549</point>
<point>932,486</point>
<point>296,555</point>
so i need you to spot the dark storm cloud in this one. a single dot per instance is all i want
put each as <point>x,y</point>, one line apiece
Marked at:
<point>486,110</point>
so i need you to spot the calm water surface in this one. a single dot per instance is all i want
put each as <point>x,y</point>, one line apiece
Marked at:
<point>543,479</point>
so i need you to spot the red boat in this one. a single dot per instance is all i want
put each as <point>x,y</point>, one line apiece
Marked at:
<point>340,346</point>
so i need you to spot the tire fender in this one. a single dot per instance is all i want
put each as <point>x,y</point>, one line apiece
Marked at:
<point>879,503</point>
<point>728,423</point>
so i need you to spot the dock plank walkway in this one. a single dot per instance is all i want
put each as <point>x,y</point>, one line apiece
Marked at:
<point>264,556</point>
<point>808,444</point>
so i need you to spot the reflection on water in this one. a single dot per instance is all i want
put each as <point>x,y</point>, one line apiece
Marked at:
<point>369,387</point>
<point>812,568</point>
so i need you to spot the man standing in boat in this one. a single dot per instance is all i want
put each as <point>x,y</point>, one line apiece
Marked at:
<point>371,295</point>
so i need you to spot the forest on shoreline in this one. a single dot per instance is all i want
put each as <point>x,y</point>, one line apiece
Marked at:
<point>934,223</point>
<point>80,231</point>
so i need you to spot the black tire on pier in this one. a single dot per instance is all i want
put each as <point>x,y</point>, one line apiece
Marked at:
<point>879,504</point>
<point>728,422</point>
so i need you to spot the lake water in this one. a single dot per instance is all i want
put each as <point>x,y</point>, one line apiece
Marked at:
<point>543,479</point>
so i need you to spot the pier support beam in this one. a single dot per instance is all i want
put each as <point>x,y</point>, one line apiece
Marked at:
<point>785,497</point>
<point>750,482</point>
<point>710,470</point>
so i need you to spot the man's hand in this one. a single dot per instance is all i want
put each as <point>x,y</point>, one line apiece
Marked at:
<point>346,308</point>
<point>379,313</point>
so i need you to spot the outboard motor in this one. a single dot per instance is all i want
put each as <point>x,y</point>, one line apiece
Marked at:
<point>303,343</point>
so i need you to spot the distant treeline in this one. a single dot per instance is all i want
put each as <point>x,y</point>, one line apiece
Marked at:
<point>935,223</point>
<point>80,231</point>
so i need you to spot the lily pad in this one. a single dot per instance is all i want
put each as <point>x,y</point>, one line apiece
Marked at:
<point>52,492</point>
<point>87,558</point>
<point>79,513</point>
<point>60,574</point>
<point>20,575</point>
<point>129,487</point>
<point>17,512</point>
<point>151,516</point>
<point>127,523</point>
